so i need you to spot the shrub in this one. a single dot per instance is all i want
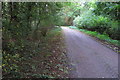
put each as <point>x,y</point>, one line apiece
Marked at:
<point>114,30</point>
<point>101,24</point>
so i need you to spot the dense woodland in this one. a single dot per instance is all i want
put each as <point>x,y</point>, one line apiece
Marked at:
<point>25,29</point>
<point>27,25</point>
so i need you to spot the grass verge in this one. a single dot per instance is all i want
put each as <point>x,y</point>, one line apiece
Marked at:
<point>102,37</point>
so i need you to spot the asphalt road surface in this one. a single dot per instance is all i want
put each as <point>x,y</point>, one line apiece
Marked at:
<point>89,58</point>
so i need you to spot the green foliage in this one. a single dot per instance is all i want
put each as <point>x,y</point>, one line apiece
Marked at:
<point>10,68</point>
<point>98,35</point>
<point>101,24</point>
<point>109,9</point>
<point>92,22</point>
<point>25,26</point>
<point>95,17</point>
<point>41,76</point>
<point>55,31</point>
<point>73,27</point>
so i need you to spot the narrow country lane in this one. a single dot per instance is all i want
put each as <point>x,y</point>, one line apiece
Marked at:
<point>89,58</point>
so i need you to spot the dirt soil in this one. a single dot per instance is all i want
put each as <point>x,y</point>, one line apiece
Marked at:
<point>89,58</point>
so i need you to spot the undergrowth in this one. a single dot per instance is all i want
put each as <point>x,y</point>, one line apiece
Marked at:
<point>25,60</point>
